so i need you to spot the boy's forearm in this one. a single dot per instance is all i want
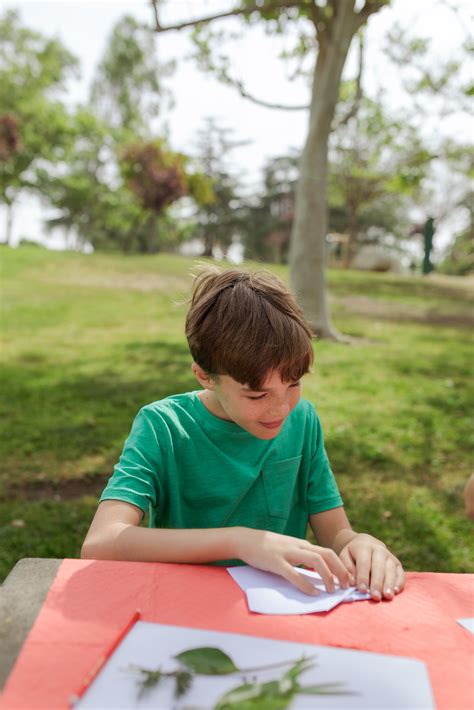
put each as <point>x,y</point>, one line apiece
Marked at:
<point>129,542</point>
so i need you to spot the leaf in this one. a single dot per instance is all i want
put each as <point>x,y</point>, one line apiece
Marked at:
<point>298,668</point>
<point>183,681</point>
<point>207,661</point>
<point>149,680</point>
<point>257,696</point>
<point>324,689</point>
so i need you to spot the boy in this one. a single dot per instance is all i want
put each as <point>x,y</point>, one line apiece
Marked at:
<point>235,471</point>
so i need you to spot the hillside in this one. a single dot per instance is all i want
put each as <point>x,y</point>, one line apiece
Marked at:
<point>89,339</point>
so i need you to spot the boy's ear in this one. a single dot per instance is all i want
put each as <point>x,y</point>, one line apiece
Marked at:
<point>202,377</point>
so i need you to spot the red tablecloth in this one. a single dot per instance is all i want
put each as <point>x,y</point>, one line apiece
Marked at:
<point>90,602</point>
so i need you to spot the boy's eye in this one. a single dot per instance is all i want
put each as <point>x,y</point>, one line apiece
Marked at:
<point>261,396</point>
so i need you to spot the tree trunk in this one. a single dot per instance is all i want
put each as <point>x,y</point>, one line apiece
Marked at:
<point>308,239</point>
<point>9,224</point>
<point>351,235</point>
<point>208,245</point>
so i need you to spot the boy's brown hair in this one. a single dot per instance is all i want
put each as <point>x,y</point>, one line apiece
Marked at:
<point>245,325</point>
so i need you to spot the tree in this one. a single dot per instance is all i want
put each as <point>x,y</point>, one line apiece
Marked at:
<point>92,204</point>
<point>326,29</point>
<point>117,181</point>
<point>9,137</point>
<point>219,220</point>
<point>158,177</point>
<point>377,167</point>
<point>115,196</point>
<point>127,90</point>
<point>33,70</point>
<point>269,214</point>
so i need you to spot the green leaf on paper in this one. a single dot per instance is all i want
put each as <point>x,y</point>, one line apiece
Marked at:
<point>207,661</point>
<point>275,694</point>
<point>324,689</point>
<point>183,680</point>
<point>148,680</point>
<point>298,668</point>
<point>257,696</point>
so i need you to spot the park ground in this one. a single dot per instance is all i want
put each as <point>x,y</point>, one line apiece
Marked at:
<point>89,339</point>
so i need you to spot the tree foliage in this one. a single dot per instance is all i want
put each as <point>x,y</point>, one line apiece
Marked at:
<point>9,137</point>
<point>155,176</point>
<point>270,213</point>
<point>127,91</point>
<point>33,71</point>
<point>221,219</point>
<point>378,164</point>
<point>115,182</point>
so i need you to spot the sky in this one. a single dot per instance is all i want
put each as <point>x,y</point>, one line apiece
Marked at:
<point>84,26</point>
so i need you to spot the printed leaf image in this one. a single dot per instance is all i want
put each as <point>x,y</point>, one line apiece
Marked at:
<point>274,695</point>
<point>207,661</point>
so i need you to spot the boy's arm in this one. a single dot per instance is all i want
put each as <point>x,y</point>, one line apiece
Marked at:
<point>115,534</point>
<point>369,562</point>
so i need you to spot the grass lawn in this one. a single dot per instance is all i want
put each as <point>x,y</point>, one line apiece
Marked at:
<point>89,339</point>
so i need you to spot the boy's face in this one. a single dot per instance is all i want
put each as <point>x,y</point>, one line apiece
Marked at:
<point>261,413</point>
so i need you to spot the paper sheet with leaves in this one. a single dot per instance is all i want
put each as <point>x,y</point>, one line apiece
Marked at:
<point>159,666</point>
<point>467,624</point>
<point>269,593</point>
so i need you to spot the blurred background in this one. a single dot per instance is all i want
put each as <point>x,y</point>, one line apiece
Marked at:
<point>329,141</point>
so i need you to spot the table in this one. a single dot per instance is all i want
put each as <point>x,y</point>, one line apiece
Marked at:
<point>21,597</point>
<point>89,602</point>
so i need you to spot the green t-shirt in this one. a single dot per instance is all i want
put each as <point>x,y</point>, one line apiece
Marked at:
<point>190,469</point>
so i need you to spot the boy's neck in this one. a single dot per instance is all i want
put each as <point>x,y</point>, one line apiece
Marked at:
<point>212,404</point>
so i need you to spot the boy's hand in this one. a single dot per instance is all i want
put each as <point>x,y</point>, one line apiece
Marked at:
<point>374,567</point>
<point>277,553</point>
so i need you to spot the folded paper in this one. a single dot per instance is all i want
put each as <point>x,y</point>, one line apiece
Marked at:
<point>269,593</point>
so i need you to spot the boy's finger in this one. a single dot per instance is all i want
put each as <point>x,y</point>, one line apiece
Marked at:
<point>313,560</point>
<point>299,581</point>
<point>363,563</point>
<point>337,567</point>
<point>390,580</point>
<point>377,572</point>
<point>400,580</point>
<point>348,562</point>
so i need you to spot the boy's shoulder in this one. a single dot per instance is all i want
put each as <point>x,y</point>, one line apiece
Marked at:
<point>304,414</point>
<point>172,404</point>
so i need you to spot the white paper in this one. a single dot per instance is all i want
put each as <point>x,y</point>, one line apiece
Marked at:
<point>269,593</point>
<point>468,624</point>
<point>377,681</point>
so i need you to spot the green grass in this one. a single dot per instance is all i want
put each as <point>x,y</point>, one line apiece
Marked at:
<point>89,339</point>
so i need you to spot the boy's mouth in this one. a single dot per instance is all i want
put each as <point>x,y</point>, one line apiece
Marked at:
<point>272,425</point>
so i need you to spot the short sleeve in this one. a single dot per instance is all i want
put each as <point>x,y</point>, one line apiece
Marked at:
<point>323,493</point>
<point>136,477</point>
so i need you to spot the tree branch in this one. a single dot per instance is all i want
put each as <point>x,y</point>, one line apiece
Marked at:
<point>358,92</point>
<point>317,15</point>
<point>274,5</point>
<point>370,7</point>
<point>154,4</point>
<point>284,107</point>
<point>320,21</point>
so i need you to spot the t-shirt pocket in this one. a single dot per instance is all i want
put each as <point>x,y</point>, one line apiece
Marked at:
<point>279,479</point>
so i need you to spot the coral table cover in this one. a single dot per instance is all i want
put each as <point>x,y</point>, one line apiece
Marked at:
<point>90,602</point>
